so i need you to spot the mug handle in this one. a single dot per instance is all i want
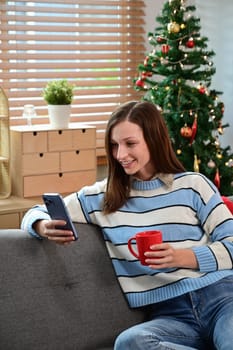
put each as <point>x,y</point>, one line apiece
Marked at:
<point>132,251</point>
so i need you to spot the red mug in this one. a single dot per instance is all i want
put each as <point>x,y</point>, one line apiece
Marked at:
<point>144,240</point>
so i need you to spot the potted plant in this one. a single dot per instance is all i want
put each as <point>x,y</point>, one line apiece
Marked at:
<point>59,95</point>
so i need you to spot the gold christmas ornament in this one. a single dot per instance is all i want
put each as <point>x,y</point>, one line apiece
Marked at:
<point>179,151</point>
<point>182,26</point>
<point>219,154</point>
<point>173,27</point>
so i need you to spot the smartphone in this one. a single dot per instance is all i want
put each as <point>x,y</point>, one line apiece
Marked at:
<point>57,211</point>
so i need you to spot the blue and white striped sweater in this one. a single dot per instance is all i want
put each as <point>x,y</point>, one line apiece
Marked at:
<point>190,214</point>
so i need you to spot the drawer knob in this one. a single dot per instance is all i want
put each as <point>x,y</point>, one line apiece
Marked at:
<point>77,151</point>
<point>83,130</point>
<point>41,155</point>
<point>34,133</point>
<point>60,174</point>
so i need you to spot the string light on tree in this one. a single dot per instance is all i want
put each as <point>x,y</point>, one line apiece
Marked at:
<point>220,128</point>
<point>229,163</point>
<point>196,164</point>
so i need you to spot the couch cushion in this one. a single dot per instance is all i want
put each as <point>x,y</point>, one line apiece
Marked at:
<point>59,297</point>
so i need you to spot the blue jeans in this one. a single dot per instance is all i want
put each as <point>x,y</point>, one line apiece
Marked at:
<point>201,320</point>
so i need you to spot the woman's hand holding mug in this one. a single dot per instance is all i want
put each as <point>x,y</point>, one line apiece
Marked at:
<point>144,241</point>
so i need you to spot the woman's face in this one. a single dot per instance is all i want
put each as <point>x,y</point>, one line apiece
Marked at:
<point>130,150</point>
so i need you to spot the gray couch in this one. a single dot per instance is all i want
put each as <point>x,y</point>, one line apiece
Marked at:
<point>59,298</point>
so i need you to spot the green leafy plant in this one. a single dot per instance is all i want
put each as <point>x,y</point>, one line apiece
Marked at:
<point>58,92</point>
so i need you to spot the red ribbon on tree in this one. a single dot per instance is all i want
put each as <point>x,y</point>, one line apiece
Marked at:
<point>217,179</point>
<point>194,130</point>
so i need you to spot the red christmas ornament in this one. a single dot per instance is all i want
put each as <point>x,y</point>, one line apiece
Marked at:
<point>140,83</point>
<point>146,74</point>
<point>160,39</point>
<point>186,131</point>
<point>194,130</point>
<point>165,48</point>
<point>201,89</point>
<point>217,179</point>
<point>190,43</point>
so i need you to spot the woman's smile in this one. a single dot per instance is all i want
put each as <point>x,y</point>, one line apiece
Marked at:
<point>127,164</point>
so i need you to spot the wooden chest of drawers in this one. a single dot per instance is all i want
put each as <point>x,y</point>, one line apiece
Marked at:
<point>48,160</point>
<point>12,210</point>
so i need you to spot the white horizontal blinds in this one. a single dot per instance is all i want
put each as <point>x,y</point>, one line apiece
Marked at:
<point>95,44</point>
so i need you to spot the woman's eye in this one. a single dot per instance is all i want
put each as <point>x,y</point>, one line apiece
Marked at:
<point>130,144</point>
<point>113,145</point>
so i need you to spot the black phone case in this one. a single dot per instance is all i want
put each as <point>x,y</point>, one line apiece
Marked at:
<point>57,211</point>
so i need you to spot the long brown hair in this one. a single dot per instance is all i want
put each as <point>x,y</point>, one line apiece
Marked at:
<point>155,133</point>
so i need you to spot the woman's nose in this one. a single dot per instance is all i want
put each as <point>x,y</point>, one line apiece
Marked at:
<point>121,153</point>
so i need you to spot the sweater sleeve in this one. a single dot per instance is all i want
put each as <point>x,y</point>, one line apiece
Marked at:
<point>36,213</point>
<point>218,225</point>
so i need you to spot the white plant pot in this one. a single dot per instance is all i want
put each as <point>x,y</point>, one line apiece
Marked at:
<point>59,116</point>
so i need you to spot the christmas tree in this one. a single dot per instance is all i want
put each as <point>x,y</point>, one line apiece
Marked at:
<point>176,76</point>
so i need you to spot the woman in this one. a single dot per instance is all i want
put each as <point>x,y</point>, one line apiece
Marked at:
<point>187,288</point>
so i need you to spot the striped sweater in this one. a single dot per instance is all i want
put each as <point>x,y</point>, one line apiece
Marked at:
<point>190,213</point>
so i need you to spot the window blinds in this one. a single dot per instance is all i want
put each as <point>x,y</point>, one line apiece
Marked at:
<point>94,44</point>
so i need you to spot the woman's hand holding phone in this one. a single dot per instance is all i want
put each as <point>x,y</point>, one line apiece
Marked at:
<point>60,228</point>
<point>50,229</point>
